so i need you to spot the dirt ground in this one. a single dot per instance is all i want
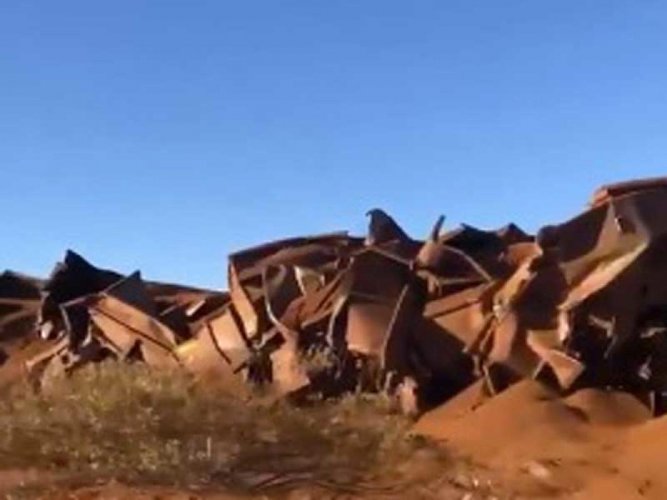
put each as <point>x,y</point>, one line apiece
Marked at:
<point>593,444</point>
<point>16,484</point>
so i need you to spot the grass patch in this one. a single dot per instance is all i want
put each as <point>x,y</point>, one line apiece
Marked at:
<point>126,422</point>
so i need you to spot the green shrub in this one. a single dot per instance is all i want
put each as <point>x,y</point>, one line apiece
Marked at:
<point>141,426</point>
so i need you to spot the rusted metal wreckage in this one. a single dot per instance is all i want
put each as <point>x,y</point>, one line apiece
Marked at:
<point>583,303</point>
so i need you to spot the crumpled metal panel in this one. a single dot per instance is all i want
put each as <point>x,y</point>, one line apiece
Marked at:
<point>605,193</point>
<point>92,313</point>
<point>288,249</point>
<point>219,351</point>
<point>383,229</point>
<point>583,303</point>
<point>595,266</point>
<point>319,254</point>
<point>378,280</point>
<point>367,326</point>
<point>19,304</point>
<point>126,319</point>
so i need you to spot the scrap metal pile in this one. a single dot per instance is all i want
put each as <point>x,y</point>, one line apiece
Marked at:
<point>581,304</point>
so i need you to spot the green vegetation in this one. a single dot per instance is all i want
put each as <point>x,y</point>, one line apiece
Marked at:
<point>125,422</point>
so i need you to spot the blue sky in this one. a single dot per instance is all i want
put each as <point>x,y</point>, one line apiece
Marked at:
<point>162,135</point>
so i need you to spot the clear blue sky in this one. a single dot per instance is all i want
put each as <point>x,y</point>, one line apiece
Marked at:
<point>162,135</point>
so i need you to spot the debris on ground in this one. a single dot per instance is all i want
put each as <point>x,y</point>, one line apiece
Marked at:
<point>581,304</point>
<point>458,318</point>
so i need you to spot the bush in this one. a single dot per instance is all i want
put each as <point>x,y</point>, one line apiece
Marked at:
<point>140,426</point>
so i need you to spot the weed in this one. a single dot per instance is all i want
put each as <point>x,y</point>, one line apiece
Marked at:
<point>140,426</point>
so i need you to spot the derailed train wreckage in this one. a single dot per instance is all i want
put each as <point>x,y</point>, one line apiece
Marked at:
<point>581,304</point>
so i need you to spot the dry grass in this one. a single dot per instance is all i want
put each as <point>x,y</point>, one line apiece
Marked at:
<point>141,427</point>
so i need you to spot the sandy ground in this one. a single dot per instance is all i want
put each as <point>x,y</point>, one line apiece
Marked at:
<point>593,444</point>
